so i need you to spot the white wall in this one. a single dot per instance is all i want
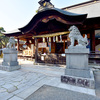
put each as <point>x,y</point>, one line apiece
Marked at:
<point>92,9</point>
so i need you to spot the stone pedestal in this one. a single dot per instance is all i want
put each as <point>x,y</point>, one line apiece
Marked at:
<point>10,62</point>
<point>77,62</point>
<point>77,71</point>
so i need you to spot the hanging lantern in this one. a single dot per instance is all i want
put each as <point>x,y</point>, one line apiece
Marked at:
<point>49,39</point>
<point>56,38</point>
<point>60,38</point>
<point>43,40</point>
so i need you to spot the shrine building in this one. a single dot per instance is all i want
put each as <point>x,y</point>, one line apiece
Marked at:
<point>46,35</point>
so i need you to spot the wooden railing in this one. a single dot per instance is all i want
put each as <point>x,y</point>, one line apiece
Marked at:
<point>52,58</point>
<point>94,57</point>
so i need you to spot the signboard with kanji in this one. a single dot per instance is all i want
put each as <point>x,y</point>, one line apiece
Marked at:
<point>42,45</point>
<point>27,52</point>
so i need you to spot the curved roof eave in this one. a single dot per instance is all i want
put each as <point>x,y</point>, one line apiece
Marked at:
<point>12,33</point>
<point>46,12</point>
<point>62,12</point>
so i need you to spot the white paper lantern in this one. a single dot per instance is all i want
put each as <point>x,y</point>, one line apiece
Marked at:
<point>49,39</point>
<point>56,38</point>
<point>60,38</point>
<point>43,40</point>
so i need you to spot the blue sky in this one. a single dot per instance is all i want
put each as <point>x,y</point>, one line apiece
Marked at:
<point>17,13</point>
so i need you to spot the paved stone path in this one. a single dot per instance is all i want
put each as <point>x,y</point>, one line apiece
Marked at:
<point>53,93</point>
<point>20,84</point>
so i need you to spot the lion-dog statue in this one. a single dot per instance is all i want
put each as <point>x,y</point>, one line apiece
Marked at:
<point>11,43</point>
<point>76,35</point>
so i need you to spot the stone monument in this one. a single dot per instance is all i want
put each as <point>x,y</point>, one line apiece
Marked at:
<point>10,62</point>
<point>77,71</point>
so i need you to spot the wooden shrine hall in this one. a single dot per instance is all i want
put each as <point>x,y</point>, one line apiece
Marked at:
<point>46,34</point>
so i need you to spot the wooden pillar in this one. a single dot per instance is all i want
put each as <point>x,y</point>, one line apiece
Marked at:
<point>64,46</point>
<point>93,40</point>
<point>18,44</point>
<point>36,50</point>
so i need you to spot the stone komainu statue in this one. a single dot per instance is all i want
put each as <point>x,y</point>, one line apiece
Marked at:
<point>11,43</point>
<point>76,35</point>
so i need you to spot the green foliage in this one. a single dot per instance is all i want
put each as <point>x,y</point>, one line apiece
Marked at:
<point>3,39</point>
<point>2,29</point>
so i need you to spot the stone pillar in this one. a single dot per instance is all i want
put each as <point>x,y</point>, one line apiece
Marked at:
<point>18,44</point>
<point>36,50</point>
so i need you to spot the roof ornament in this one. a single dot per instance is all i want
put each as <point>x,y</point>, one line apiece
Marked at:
<point>45,4</point>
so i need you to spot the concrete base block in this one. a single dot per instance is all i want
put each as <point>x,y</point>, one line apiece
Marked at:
<point>79,81</point>
<point>12,63</point>
<point>10,68</point>
<point>78,73</point>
